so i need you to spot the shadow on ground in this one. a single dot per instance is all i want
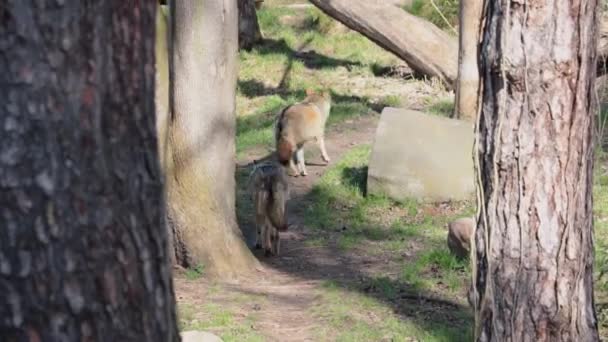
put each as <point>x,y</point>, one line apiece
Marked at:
<point>346,269</point>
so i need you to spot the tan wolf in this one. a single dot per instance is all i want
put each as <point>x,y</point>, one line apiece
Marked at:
<point>300,123</point>
<point>270,191</point>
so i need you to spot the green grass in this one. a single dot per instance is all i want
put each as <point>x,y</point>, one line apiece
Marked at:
<point>271,76</point>
<point>219,321</point>
<point>442,107</point>
<point>424,9</point>
<point>340,204</point>
<point>195,272</point>
<point>352,316</point>
<point>436,267</point>
<point>378,225</point>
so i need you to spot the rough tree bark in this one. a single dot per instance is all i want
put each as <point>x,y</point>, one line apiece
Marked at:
<point>83,253</point>
<point>534,156</point>
<point>467,85</point>
<point>423,46</point>
<point>249,29</point>
<point>200,157</point>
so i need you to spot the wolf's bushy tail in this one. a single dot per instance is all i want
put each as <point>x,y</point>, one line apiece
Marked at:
<point>284,151</point>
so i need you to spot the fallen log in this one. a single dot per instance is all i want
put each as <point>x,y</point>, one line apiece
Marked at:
<point>423,46</point>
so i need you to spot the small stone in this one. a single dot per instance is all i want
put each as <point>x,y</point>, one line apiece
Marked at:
<point>199,336</point>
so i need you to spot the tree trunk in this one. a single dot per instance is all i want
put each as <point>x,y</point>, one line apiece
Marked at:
<point>249,30</point>
<point>534,158</point>
<point>422,45</point>
<point>467,87</point>
<point>200,160</point>
<point>83,253</point>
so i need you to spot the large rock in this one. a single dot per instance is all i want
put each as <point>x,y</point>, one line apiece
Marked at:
<point>460,233</point>
<point>199,336</point>
<point>421,156</point>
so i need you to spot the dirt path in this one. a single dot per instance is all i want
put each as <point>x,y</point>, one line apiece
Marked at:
<point>282,298</point>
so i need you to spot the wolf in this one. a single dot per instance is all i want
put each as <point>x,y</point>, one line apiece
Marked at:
<point>298,124</point>
<point>270,191</point>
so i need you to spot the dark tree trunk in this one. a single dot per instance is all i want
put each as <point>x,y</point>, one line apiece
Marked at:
<point>534,159</point>
<point>200,156</point>
<point>83,253</point>
<point>249,29</point>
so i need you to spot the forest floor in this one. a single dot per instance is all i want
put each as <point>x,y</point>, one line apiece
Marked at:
<point>352,267</point>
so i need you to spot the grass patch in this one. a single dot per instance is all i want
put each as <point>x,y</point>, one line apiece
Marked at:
<point>443,107</point>
<point>340,205</point>
<point>424,9</point>
<point>352,316</point>
<point>195,272</point>
<point>219,321</point>
<point>436,267</point>
<point>378,225</point>
<point>303,49</point>
<point>391,101</point>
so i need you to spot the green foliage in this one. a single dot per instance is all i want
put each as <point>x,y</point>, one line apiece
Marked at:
<point>424,9</point>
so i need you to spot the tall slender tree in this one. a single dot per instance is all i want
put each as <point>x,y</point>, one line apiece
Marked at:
<point>83,252</point>
<point>534,156</point>
<point>467,83</point>
<point>199,158</point>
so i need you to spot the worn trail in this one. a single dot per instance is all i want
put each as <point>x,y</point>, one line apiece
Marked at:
<point>283,296</point>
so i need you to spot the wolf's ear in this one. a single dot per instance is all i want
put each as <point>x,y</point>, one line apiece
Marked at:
<point>309,92</point>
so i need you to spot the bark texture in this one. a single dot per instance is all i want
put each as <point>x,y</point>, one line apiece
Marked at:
<point>534,156</point>
<point>249,29</point>
<point>467,87</point>
<point>200,157</point>
<point>83,253</point>
<point>423,46</point>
